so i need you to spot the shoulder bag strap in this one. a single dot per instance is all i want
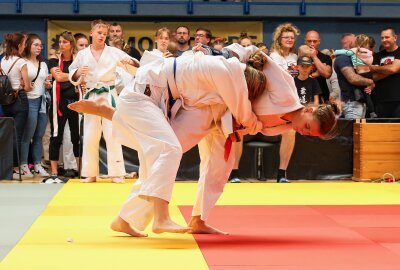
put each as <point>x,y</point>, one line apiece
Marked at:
<point>12,65</point>
<point>37,74</point>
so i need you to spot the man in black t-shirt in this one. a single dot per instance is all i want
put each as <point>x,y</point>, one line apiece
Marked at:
<point>322,67</point>
<point>386,73</point>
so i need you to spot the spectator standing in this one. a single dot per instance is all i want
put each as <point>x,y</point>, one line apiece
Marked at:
<point>283,53</point>
<point>332,82</point>
<point>81,41</point>
<point>116,30</point>
<point>182,40</point>
<point>386,73</point>
<point>322,64</point>
<point>15,66</point>
<point>37,117</point>
<point>349,81</point>
<point>307,87</point>
<point>63,94</point>
<point>347,41</point>
<point>361,58</point>
<point>203,36</point>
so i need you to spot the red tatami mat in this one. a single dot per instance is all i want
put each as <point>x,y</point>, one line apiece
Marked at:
<point>303,237</point>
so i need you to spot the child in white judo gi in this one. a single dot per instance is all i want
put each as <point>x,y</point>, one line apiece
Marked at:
<point>96,66</point>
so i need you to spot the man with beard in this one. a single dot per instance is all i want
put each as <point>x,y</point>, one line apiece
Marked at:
<point>182,40</point>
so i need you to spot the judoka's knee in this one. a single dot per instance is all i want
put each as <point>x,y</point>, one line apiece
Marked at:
<point>174,151</point>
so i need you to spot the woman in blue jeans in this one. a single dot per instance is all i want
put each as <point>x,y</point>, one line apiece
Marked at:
<point>15,66</point>
<point>37,117</point>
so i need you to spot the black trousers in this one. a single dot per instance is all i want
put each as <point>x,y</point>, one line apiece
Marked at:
<point>73,120</point>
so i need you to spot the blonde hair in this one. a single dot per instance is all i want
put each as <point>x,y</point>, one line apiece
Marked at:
<point>163,30</point>
<point>276,37</point>
<point>117,42</point>
<point>99,23</point>
<point>304,50</point>
<point>328,52</point>
<point>362,41</point>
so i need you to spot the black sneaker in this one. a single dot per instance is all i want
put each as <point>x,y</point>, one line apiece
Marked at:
<point>71,173</point>
<point>52,180</point>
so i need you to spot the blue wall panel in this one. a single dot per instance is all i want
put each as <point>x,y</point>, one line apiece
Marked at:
<point>37,26</point>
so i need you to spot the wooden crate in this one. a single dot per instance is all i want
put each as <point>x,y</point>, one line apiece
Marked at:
<point>376,150</point>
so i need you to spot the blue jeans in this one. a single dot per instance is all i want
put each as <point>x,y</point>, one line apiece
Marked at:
<point>34,130</point>
<point>19,111</point>
<point>353,110</point>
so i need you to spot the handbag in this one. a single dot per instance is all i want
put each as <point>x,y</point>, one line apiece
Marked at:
<point>7,94</point>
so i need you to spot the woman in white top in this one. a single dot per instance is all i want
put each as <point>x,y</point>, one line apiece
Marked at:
<point>283,50</point>
<point>15,66</point>
<point>37,117</point>
<point>283,53</point>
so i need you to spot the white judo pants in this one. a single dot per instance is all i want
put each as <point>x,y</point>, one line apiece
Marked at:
<point>92,128</point>
<point>197,126</point>
<point>141,125</point>
<point>192,127</point>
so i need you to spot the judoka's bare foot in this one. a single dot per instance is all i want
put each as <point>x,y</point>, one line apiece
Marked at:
<point>88,180</point>
<point>200,227</point>
<point>99,106</point>
<point>118,180</point>
<point>168,226</point>
<point>120,225</point>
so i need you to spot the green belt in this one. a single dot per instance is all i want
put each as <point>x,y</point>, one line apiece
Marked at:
<point>102,90</point>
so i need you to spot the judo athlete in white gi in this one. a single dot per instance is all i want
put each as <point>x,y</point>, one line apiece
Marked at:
<point>97,65</point>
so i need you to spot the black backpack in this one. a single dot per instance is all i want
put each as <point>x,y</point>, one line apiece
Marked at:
<point>7,94</point>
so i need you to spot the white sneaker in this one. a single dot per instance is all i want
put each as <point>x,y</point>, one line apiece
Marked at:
<point>16,175</point>
<point>25,171</point>
<point>41,171</point>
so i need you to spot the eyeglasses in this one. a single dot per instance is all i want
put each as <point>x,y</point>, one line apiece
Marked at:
<point>199,35</point>
<point>292,38</point>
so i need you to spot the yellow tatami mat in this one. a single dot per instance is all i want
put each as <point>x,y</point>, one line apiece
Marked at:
<point>73,232</point>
